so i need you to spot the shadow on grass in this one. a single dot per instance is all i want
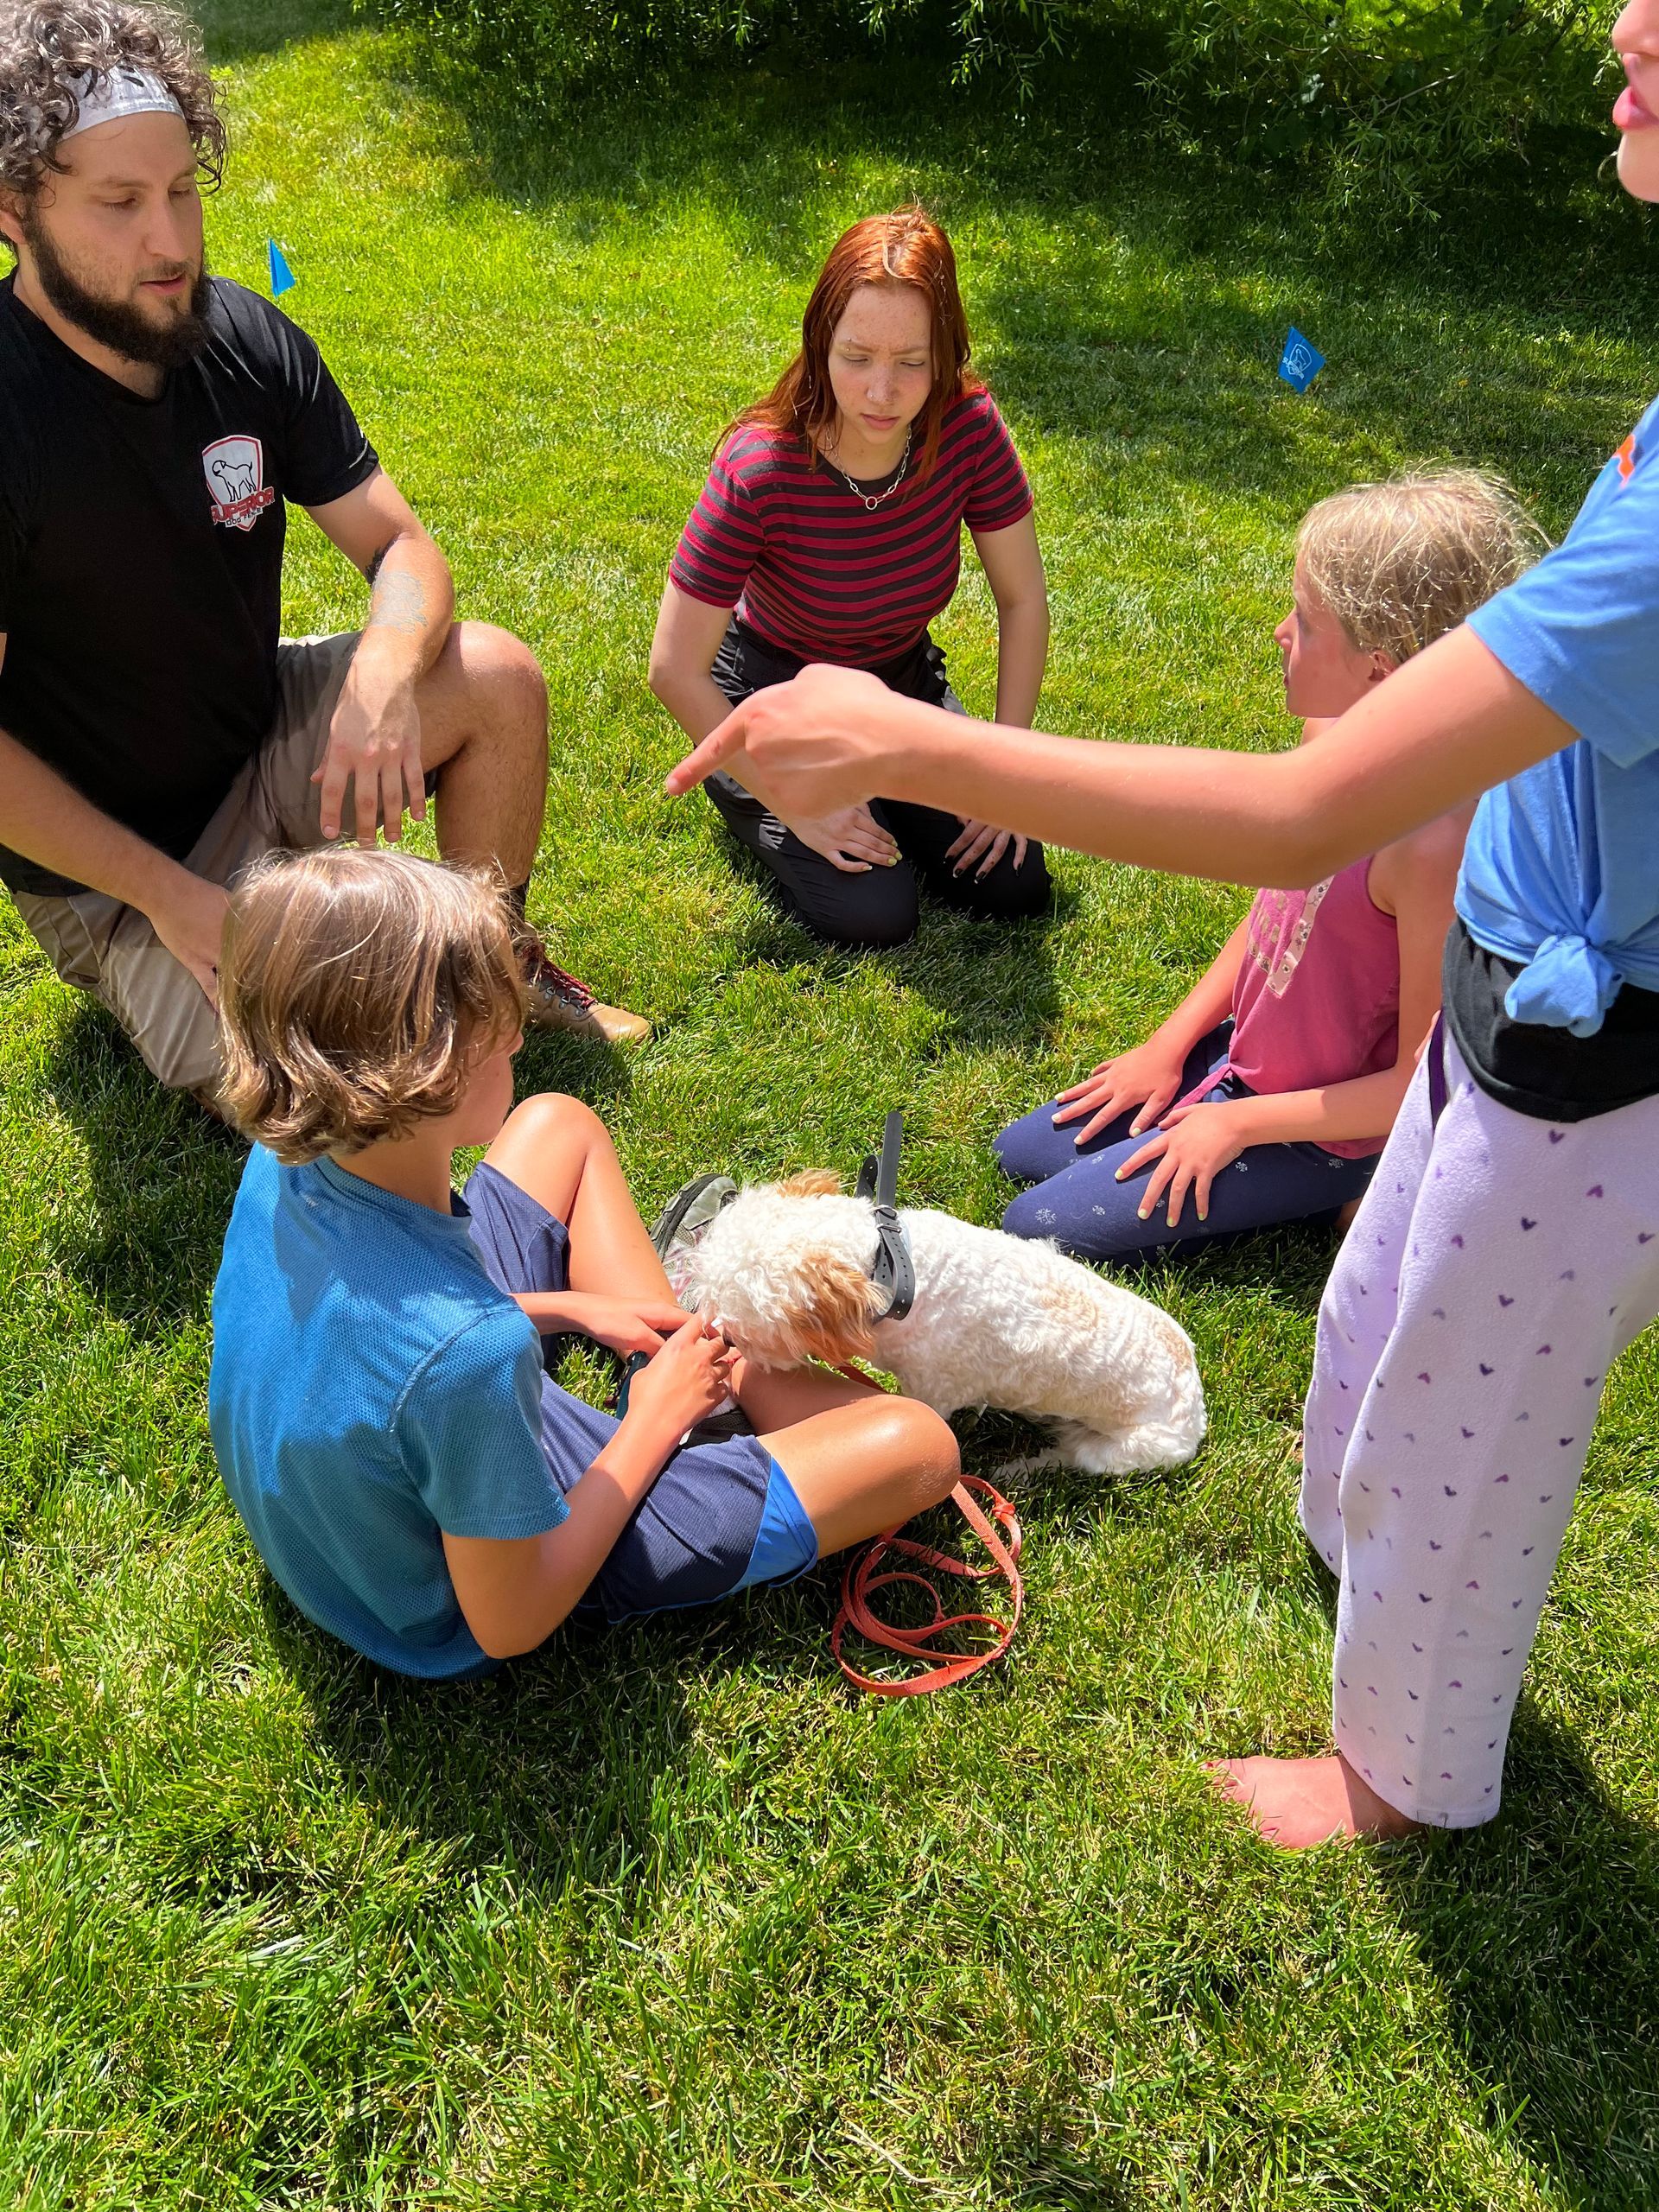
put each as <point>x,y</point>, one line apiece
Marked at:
<point>994,981</point>
<point>585,1067</point>
<point>1550,1996</point>
<point>1128,292</point>
<point>162,1176</point>
<point>551,1764</point>
<point>241,30</point>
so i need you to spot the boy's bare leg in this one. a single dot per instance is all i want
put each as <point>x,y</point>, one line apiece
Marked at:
<point>863,1467</point>
<point>859,1460</point>
<point>1296,1804</point>
<point>560,1151</point>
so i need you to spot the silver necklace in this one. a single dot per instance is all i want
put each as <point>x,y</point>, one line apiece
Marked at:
<point>874,499</point>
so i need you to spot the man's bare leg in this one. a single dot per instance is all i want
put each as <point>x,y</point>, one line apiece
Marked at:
<point>483,710</point>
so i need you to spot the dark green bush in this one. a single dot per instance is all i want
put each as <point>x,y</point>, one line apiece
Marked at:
<point>1394,100</point>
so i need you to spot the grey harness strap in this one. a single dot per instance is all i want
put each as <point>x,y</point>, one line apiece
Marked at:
<point>894,1271</point>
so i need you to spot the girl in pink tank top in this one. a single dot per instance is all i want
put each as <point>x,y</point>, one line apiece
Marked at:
<point>1268,1094</point>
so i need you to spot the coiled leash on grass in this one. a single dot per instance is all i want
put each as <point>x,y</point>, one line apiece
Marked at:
<point>861,1579</point>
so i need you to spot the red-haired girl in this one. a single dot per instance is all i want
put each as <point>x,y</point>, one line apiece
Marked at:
<point>830,529</point>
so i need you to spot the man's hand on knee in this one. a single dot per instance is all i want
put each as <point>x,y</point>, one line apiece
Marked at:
<point>189,917</point>
<point>374,744</point>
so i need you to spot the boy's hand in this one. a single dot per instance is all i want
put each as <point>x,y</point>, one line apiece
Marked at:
<point>1149,1077</point>
<point>689,1377</point>
<point>624,1325</point>
<point>1193,1145</point>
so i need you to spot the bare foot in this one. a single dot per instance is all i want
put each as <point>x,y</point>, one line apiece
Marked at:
<point>1297,1803</point>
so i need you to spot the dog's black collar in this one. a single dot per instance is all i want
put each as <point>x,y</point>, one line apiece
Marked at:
<point>894,1271</point>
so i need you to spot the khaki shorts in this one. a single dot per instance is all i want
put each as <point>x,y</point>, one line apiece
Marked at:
<point>99,945</point>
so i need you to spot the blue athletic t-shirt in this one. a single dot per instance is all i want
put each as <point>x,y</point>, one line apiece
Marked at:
<point>370,1389</point>
<point>1560,873</point>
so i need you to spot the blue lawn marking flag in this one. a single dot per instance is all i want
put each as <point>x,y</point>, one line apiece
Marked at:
<point>282,276</point>
<point>1299,363</point>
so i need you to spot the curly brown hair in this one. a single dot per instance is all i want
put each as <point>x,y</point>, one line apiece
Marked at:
<point>47,46</point>
<point>356,991</point>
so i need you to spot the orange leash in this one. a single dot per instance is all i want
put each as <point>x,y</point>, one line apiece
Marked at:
<point>941,1669</point>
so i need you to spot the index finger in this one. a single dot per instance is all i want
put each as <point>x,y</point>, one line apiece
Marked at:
<point>665,1314</point>
<point>703,760</point>
<point>391,801</point>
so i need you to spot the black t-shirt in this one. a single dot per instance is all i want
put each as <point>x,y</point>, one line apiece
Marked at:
<point>1547,1073</point>
<point>141,558</point>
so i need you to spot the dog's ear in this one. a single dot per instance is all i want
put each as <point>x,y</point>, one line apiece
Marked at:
<point>811,1183</point>
<point>843,1306</point>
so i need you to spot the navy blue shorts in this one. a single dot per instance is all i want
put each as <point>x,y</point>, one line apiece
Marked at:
<point>720,1518</point>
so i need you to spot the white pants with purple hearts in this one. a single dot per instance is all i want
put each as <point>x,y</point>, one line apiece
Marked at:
<point>1496,1267</point>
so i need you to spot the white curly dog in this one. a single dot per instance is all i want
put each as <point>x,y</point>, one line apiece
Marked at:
<point>784,1272</point>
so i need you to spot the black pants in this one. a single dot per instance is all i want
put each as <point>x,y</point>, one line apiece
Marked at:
<point>880,907</point>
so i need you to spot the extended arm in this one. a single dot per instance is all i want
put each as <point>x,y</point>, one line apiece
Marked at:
<point>687,638</point>
<point>1014,569</point>
<point>682,650</point>
<point>47,821</point>
<point>375,737</point>
<point>1448,724</point>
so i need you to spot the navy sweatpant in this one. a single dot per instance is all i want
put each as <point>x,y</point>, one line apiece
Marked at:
<point>1077,1199</point>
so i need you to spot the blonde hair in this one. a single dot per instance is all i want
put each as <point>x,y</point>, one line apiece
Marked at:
<point>1400,563</point>
<point>356,991</point>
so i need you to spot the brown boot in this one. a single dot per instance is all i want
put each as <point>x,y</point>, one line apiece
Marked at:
<point>558,1000</point>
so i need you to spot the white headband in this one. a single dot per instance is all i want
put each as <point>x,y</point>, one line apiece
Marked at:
<point>108,98</point>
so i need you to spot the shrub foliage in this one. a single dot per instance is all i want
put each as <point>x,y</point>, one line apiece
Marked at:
<point>1393,99</point>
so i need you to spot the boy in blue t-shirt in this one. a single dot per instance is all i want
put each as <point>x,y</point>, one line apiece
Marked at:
<point>378,1400</point>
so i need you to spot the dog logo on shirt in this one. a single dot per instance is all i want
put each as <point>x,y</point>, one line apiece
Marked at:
<point>235,469</point>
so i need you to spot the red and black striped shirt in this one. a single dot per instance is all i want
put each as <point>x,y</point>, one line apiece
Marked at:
<point>816,573</point>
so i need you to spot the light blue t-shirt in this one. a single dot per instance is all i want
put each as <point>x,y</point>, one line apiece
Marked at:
<point>370,1389</point>
<point>1561,873</point>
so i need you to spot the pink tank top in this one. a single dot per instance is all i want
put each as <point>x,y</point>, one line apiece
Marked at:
<point>1317,995</point>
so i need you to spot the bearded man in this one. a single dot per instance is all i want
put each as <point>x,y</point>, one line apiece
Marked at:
<point>156,732</point>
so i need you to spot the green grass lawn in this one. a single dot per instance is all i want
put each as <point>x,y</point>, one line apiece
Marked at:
<point>668,1918</point>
